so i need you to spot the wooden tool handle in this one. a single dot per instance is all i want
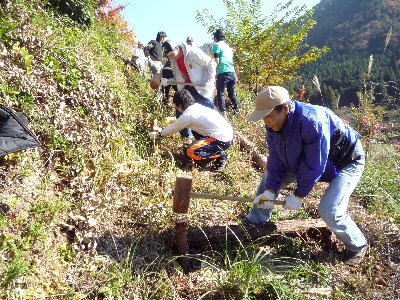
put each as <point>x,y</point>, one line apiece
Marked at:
<point>231,198</point>
<point>186,83</point>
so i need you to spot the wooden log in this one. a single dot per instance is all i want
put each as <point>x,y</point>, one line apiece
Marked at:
<point>208,237</point>
<point>244,144</point>
<point>180,244</point>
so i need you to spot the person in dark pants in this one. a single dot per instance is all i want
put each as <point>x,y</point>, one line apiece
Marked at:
<point>166,72</point>
<point>154,52</point>
<point>226,76</point>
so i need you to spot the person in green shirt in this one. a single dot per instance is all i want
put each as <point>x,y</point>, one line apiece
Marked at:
<point>226,76</point>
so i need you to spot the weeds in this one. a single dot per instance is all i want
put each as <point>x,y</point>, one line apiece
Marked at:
<point>92,114</point>
<point>3,222</point>
<point>129,277</point>
<point>26,58</point>
<point>379,187</point>
<point>310,273</point>
<point>13,270</point>
<point>47,210</point>
<point>253,271</point>
<point>16,267</point>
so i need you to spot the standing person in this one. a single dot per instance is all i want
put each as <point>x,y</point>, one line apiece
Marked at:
<point>139,58</point>
<point>154,52</point>
<point>226,76</point>
<point>307,144</point>
<point>191,65</point>
<point>213,133</point>
<point>167,73</point>
<point>189,41</point>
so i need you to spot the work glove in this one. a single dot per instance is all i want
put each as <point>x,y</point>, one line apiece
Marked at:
<point>164,81</point>
<point>265,200</point>
<point>157,129</point>
<point>154,135</point>
<point>293,202</point>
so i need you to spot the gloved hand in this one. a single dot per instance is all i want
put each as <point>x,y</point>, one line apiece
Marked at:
<point>154,135</point>
<point>157,129</point>
<point>265,200</point>
<point>293,202</point>
<point>164,81</point>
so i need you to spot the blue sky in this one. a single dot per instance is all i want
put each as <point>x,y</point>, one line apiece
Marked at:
<point>177,17</point>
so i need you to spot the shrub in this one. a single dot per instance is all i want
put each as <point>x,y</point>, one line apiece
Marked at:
<point>80,11</point>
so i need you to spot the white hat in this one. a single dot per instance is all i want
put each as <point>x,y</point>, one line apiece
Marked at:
<point>267,99</point>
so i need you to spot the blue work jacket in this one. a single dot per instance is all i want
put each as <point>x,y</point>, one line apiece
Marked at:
<point>315,144</point>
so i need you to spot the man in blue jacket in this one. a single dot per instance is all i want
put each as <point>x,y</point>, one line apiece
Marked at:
<point>307,144</point>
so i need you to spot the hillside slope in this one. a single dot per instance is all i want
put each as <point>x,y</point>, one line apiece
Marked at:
<point>88,214</point>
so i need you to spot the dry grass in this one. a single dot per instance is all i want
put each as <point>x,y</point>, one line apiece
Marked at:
<point>99,195</point>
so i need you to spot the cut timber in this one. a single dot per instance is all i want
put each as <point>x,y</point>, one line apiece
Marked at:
<point>199,238</point>
<point>259,159</point>
<point>180,244</point>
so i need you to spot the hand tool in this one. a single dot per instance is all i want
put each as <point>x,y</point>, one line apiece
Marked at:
<point>155,82</point>
<point>183,193</point>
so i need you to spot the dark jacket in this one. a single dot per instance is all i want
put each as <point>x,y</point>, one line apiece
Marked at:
<point>14,135</point>
<point>315,144</point>
<point>154,49</point>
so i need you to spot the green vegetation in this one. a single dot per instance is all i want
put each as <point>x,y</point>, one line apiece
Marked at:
<point>354,30</point>
<point>268,50</point>
<point>87,215</point>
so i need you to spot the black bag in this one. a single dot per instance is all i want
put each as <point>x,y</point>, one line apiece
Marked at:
<point>14,134</point>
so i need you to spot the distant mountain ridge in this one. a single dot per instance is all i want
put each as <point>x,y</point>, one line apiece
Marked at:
<point>357,26</point>
<point>354,30</point>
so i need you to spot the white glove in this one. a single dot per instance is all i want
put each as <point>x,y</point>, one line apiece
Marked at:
<point>157,129</point>
<point>154,135</point>
<point>292,202</point>
<point>265,200</point>
<point>164,81</point>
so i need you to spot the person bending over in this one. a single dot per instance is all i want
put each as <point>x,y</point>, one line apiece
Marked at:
<point>307,144</point>
<point>213,133</point>
<point>190,64</point>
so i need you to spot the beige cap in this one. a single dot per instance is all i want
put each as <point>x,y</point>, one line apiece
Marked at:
<point>267,99</point>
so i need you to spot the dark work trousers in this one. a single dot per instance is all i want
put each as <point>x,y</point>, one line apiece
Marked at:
<point>226,80</point>
<point>167,73</point>
<point>186,132</point>
<point>206,148</point>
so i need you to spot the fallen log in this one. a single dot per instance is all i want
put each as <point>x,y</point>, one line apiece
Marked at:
<point>184,241</point>
<point>244,144</point>
<point>209,237</point>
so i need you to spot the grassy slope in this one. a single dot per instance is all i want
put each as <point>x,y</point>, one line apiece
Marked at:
<point>85,215</point>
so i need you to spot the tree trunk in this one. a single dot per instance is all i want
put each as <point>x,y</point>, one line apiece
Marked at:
<point>259,159</point>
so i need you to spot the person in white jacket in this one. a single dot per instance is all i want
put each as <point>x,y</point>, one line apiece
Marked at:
<point>213,133</point>
<point>191,65</point>
<point>139,58</point>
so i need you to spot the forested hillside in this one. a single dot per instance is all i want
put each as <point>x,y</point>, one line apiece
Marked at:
<point>355,30</point>
<point>351,26</point>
